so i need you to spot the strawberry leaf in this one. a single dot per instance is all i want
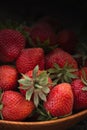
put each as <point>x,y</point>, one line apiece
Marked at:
<point>46,90</point>
<point>29,93</point>
<point>36,99</point>
<point>42,96</point>
<point>38,86</point>
<point>1,106</point>
<point>84,88</point>
<point>26,77</point>
<point>64,74</point>
<point>25,82</point>
<point>35,71</point>
<point>43,78</point>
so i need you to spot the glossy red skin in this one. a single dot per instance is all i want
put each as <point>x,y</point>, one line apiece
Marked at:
<point>8,77</point>
<point>61,58</point>
<point>43,31</point>
<point>11,44</point>
<point>29,58</point>
<point>55,23</point>
<point>60,100</point>
<point>15,107</point>
<point>80,96</point>
<point>67,40</point>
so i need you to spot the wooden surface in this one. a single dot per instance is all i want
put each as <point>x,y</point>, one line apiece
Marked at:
<point>59,124</point>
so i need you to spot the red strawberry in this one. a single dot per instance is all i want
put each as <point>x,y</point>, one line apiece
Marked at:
<point>42,33</point>
<point>29,58</point>
<point>60,100</point>
<point>52,21</point>
<point>67,40</point>
<point>11,43</point>
<point>61,66</point>
<point>36,83</point>
<point>79,88</point>
<point>8,77</point>
<point>61,58</point>
<point>15,107</point>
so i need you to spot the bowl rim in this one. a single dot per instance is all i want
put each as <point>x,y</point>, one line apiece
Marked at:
<point>84,112</point>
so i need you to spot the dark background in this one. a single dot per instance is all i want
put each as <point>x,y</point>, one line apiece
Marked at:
<point>72,13</point>
<point>71,9</point>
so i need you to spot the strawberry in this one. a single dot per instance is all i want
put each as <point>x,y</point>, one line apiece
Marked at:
<point>15,107</point>
<point>60,100</point>
<point>11,43</point>
<point>61,58</point>
<point>42,35</point>
<point>52,21</point>
<point>36,83</point>
<point>67,40</point>
<point>79,88</point>
<point>29,58</point>
<point>61,66</point>
<point>8,77</point>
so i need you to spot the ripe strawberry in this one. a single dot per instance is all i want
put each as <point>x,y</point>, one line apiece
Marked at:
<point>11,43</point>
<point>61,66</point>
<point>60,100</point>
<point>61,58</point>
<point>67,40</point>
<point>8,77</point>
<point>29,58</point>
<point>15,107</point>
<point>52,21</point>
<point>79,88</point>
<point>42,35</point>
<point>36,83</point>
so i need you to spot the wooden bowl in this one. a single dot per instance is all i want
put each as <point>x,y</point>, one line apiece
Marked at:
<point>58,124</point>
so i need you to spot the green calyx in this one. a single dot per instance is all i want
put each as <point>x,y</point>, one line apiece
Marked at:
<point>65,74</point>
<point>47,47</point>
<point>38,85</point>
<point>1,105</point>
<point>84,80</point>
